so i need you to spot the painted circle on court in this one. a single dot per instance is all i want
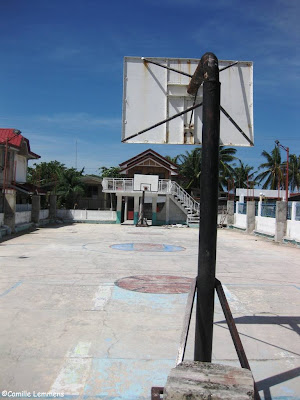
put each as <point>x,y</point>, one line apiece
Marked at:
<point>152,247</point>
<point>163,284</point>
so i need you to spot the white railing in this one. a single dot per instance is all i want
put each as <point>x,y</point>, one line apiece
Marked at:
<point>185,198</point>
<point>117,184</point>
<point>165,186</point>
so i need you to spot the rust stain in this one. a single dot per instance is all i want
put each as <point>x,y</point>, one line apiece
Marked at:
<point>167,136</point>
<point>189,66</point>
<point>146,67</point>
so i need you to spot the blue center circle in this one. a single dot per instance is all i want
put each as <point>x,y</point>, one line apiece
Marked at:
<point>152,247</point>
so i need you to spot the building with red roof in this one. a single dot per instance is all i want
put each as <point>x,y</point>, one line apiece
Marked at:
<point>15,152</point>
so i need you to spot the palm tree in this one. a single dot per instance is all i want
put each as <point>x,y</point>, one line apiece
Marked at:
<point>70,187</point>
<point>226,156</point>
<point>190,168</point>
<point>242,175</point>
<point>173,160</point>
<point>294,172</point>
<point>272,176</point>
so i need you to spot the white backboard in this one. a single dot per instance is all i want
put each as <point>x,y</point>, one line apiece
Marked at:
<point>153,94</point>
<point>149,183</point>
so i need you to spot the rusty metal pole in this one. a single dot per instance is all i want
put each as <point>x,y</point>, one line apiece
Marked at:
<point>5,166</point>
<point>208,206</point>
<point>287,149</point>
<point>287,176</point>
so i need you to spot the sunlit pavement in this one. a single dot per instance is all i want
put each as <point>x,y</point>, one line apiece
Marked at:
<point>72,326</point>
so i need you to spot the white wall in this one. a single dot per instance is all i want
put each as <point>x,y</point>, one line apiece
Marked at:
<point>272,194</point>
<point>44,214</point>
<point>265,225</point>
<point>240,221</point>
<point>84,215</point>
<point>293,230</point>
<point>23,217</point>
<point>21,168</point>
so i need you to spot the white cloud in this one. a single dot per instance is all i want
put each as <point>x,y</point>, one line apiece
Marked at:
<point>80,119</point>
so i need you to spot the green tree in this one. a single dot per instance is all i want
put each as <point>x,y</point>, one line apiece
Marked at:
<point>112,172</point>
<point>272,175</point>
<point>294,172</point>
<point>70,187</point>
<point>45,174</point>
<point>174,160</point>
<point>190,168</point>
<point>226,156</point>
<point>243,175</point>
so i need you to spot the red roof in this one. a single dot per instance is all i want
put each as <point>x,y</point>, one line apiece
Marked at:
<point>15,140</point>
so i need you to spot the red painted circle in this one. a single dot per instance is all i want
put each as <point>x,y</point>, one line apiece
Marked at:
<point>166,284</point>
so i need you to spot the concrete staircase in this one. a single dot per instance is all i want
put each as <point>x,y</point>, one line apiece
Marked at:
<point>186,203</point>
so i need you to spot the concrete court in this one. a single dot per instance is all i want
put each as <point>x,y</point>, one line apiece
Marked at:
<point>67,328</point>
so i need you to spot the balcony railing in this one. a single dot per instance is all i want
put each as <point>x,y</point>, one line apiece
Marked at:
<point>113,185</point>
<point>165,186</point>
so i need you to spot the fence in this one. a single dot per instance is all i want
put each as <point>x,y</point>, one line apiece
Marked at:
<point>242,208</point>
<point>44,214</point>
<point>268,210</point>
<point>23,207</point>
<point>22,217</point>
<point>297,211</point>
<point>265,219</point>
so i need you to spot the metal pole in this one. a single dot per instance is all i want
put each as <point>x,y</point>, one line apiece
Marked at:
<point>208,209</point>
<point>287,149</point>
<point>287,176</point>
<point>5,166</point>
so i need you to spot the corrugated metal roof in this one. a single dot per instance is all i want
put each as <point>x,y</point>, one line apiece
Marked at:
<point>28,188</point>
<point>15,140</point>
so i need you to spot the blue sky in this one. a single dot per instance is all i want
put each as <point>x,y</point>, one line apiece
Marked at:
<point>62,68</point>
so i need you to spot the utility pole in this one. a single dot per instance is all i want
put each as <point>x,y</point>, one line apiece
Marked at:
<point>287,149</point>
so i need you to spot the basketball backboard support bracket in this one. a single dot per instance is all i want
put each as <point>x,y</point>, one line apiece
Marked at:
<point>144,82</point>
<point>162,122</point>
<point>184,112</point>
<point>236,125</point>
<point>164,66</point>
